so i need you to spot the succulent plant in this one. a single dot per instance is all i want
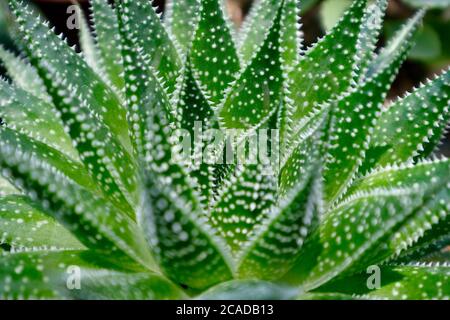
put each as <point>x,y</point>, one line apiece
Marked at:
<point>98,200</point>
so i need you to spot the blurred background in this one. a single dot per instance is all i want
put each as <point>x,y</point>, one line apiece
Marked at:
<point>430,55</point>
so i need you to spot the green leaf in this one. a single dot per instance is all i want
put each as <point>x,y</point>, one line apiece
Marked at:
<point>197,117</point>
<point>35,118</point>
<point>354,115</point>
<point>143,89</point>
<point>88,107</point>
<point>56,63</point>
<point>412,126</point>
<point>172,217</point>
<point>243,203</point>
<point>331,11</point>
<point>404,38</point>
<point>430,246</point>
<point>255,27</point>
<point>193,105</point>
<point>368,38</point>
<point>87,42</point>
<point>72,169</point>
<point>321,75</point>
<point>64,191</point>
<point>350,231</point>
<point>108,42</point>
<point>25,226</point>
<point>24,75</point>
<point>144,29</point>
<point>182,240</point>
<point>290,46</point>
<point>213,52</point>
<point>256,94</point>
<point>245,289</point>
<point>431,220</point>
<point>181,18</point>
<point>297,160</point>
<point>291,36</point>
<point>274,244</point>
<point>260,19</point>
<point>399,282</point>
<point>78,275</point>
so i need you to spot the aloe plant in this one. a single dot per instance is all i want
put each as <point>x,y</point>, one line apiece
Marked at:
<point>98,203</point>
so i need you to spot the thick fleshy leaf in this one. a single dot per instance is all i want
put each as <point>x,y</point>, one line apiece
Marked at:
<point>413,126</point>
<point>397,43</point>
<point>108,42</point>
<point>91,111</point>
<point>25,226</point>
<point>431,220</point>
<point>176,228</point>
<point>143,89</point>
<point>256,94</point>
<point>144,29</point>
<point>297,160</point>
<point>72,169</point>
<point>254,28</point>
<point>78,275</point>
<point>274,244</point>
<point>213,52</point>
<point>398,282</point>
<point>34,117</point>
<point>430,246</point>
<point>245,289</point>
<point>368,37</point>
<point>64,191</point>
<point>260,19</point>
<point>87,42</point>
<point>355,114</point>
<point>181,18</point>
<point>57,63</point>
<point>243,203</point>
<point>290,47</point>
<point>193,104</point>
<point>385,230</point>
<point>321,75</point>
<point>24,75</point>
<point>290,36</point>
<point>351,231</point>
<point>181,239</point>
<point>197,118</point>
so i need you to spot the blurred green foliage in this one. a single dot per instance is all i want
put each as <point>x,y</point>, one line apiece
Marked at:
<point>432,42</point>
<point>4,22</point>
